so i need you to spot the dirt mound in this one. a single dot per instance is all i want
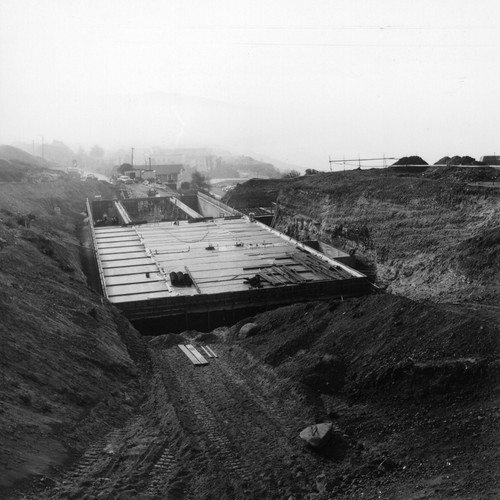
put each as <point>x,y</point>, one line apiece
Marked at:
<point>410,160</point>
<point>345,346</point>
<point>255,193</point>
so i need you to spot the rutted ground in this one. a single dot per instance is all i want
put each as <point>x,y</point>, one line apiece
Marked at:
<point>201,431</point>
<point>419,427</point>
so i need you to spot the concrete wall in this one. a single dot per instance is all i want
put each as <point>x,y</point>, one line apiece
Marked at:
<point>210,207</point>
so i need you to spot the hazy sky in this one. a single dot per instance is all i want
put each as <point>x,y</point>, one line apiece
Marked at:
<point>296,80</point>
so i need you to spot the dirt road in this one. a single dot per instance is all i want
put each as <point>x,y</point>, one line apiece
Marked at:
<point>223,428</point>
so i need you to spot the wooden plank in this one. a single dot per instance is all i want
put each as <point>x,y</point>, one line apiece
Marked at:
<point>188,353</point>
<point>279,270</point>
<point>207,353</point>
<point>209,349</point>
<point>274,281</point>
<point>197,354</point>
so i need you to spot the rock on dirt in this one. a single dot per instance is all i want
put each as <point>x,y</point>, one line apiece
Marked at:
<point>248,330</point>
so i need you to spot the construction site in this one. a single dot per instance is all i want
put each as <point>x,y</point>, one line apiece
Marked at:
<point>180,347</point>
<point>159,258</point>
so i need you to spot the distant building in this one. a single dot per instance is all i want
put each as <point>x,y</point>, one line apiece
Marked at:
<point>491,160</point>
<point>166,174</point>
<point>169,174</point>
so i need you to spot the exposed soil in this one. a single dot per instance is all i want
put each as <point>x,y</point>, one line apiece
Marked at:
<point>90,409</point>
<point>415,235</point>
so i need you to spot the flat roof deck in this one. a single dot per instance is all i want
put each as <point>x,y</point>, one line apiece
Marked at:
<point>221,256</point>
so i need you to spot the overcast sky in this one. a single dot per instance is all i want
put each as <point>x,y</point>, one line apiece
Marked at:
<point>296,80</point>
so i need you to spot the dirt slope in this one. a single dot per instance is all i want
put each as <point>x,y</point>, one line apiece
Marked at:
<point>63,351</point>
<point>424,237</point>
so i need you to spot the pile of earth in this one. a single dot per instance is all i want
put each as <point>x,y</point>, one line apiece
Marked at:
<point>410,160</point>
<point>415,380</point>
<point>459,160</point>
<point>255,193</point>
<point>382,344</point>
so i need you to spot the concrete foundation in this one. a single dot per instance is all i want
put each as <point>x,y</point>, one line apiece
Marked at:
<point>188,268</point>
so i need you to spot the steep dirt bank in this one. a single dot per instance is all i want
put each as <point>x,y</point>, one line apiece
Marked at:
<point>424,237</point>
<point>65,354</point>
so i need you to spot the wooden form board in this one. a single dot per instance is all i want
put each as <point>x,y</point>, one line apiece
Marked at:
<point>193,354</point>
<point>209,352</point>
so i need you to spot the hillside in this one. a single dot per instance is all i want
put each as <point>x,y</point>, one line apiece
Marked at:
<point>64,352</point>
<point>16,165</point>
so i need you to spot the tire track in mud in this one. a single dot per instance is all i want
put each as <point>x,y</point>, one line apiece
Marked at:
<point>168,476</point>
<point>99,454</point>
<point>163,470</point>
<point>198,424</point>
<point>209,444</point>
<point>249,438</point>
<point>128,460</point>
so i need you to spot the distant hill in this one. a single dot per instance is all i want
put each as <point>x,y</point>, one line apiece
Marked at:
<point>10,153</point>
<point>16,165</point>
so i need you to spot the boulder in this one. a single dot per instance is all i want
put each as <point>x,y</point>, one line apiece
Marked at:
<point>318,435</point>
<point>249,330</point>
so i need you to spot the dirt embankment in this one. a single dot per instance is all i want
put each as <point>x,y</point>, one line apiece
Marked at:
<point>256,193</point>
<point>425,238</point>
<point>65,354</point>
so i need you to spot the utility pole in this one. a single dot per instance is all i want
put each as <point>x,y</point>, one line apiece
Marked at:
<point>132,160</point>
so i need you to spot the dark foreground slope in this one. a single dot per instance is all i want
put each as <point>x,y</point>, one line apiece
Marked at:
<point>64,354</point>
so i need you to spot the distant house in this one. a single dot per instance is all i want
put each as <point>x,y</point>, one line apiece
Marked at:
<point>169,174</point>
<point>491,160</point>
